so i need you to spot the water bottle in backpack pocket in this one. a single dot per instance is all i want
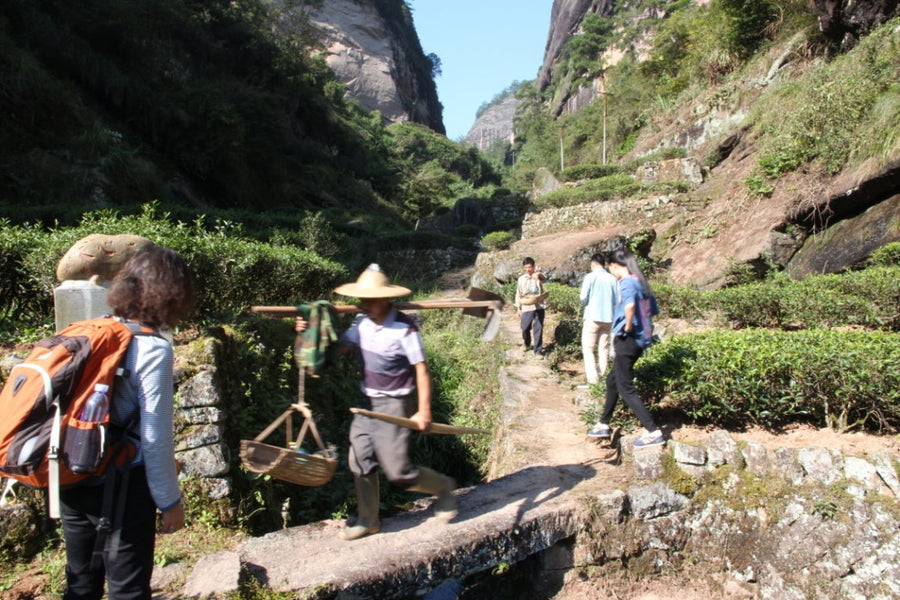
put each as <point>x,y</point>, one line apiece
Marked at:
<point>85,437</point>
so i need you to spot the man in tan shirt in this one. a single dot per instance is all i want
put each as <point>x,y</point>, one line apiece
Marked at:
<point>529,305</point>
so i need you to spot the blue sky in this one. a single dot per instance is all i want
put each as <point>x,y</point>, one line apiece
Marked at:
<point>484,45</point>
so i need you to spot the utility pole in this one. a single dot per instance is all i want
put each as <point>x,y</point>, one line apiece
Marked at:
<point>605,94</point>
<point>604,128</point>
<point>562,160</point>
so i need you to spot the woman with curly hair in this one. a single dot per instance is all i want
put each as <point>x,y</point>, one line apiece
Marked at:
<point>154,289</point>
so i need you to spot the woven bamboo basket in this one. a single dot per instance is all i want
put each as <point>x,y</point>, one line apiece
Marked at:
<point>312,470</point>
<point>290,463</point>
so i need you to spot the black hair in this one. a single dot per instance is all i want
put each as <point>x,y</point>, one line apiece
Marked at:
<point>599,259</point>
<point>528,261</point>
<point>629,261</point>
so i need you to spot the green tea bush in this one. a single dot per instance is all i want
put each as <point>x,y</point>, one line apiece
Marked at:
<point>565,305</point>
<point>594,190</point>
<point>875,286</point>
<point>843,379</point>
<point>232,271</point>
<point>868,298</point>
<point>20,296</point>
<point>497,240</point>
<point>563,300</point>
<point>886,256</point>
<point>682,303</point>
<point>572,197</point>
<point>588,171</point>
<point>233,274</point>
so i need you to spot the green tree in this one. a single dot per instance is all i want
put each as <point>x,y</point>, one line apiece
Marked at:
<point>747,24</point>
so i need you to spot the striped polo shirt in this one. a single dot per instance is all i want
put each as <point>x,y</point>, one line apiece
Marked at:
<point>387,353</point>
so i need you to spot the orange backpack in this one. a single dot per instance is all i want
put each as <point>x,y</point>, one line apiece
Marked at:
<point>44,396</point>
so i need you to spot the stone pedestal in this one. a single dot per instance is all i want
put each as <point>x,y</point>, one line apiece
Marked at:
<point>77,300</point>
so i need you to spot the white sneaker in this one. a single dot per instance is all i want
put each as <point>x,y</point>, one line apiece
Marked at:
<point>651,438</point>
<point>600,430</point>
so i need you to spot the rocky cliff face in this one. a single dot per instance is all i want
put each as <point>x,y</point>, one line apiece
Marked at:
<point>844,21</point>
<point>565,20</point>
<point>809,225</point>
<point>495,123</point>
<point>375,51</point>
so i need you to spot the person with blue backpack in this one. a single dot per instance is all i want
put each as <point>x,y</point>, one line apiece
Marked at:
<point>633,333</point>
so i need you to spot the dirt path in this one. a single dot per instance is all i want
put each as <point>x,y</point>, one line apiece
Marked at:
<point>541,416</point>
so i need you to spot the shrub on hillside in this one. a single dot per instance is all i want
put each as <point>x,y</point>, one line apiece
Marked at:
<point>418,240</point>
<point>836,115</point>
<point>588,171</point>
<point>467,230</point>
<point>232,271</point>
<point>886,256</point>
<point>842,379</point>
<point>497,240</point>
<point>868,298</point>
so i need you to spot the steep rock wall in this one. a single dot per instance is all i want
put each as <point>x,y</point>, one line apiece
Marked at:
<point>843,22</point>
<point>565,20</point>
<point>378,57</point>
<point>495,123</point>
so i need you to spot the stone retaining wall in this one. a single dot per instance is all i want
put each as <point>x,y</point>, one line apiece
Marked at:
<point>634,213</point>
<point>807,522</point>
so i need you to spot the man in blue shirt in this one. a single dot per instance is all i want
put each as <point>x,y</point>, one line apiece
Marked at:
<point>598,296</point>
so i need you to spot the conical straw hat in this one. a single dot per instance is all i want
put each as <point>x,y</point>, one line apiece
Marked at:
<point>372,283</point>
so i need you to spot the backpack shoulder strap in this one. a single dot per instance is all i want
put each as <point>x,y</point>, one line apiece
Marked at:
<point>135,329</point>
<point>53,462</point>
<point>7,491</point>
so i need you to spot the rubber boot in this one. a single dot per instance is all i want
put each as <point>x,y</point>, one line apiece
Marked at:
<point>433,483</point>
<point>367,499</point>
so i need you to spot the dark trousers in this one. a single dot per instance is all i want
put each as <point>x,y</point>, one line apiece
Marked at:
<point>620,383</point>
<point>374,443</point>
<point>533,320</point>
<point>128,575</point>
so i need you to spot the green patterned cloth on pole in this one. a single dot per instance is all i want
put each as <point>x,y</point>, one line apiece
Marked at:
<point>315,346</point>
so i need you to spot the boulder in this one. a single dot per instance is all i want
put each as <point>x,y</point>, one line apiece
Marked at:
<point>544,183</point>
<point>98,254</point>
<point>843,22</point>
<point>849,242</point>
<point>685,170</point>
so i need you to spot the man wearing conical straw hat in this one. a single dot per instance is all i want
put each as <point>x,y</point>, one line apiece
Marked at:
<point>396,381</point>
